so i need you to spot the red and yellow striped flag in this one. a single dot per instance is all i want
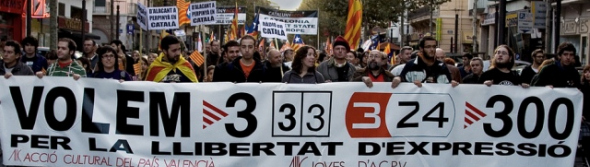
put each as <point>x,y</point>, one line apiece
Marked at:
<point>353,23</point>
<point>182,9</point>
<point>234,25</point>
<point>197,58</point>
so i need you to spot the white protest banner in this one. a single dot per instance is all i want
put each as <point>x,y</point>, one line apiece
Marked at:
<point>225,15</point>
<point>273,29</point>
<point>203,13</point>
<point>296,22</point>
<point>142,16</point>
<point>163,18</point>
<point>57,121</point>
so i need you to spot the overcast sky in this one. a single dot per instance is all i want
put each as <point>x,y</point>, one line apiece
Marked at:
<point>287,4</point>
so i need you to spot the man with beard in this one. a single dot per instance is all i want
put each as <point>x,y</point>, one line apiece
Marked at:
<point>245,68</point>
<point>275,69</point>
<point>375,70</point>
<point>232,50</point>
<point>404,57</point>
<point>476,71</point>
<point>65,66</point>
<point>500,72</point>
<point>562,73</point>
<point>337,69</point>
<point>531,70</point>
<point>170,67</point>
<point>425,68</point>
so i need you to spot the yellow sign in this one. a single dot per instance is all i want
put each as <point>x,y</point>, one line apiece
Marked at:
<point>512,19</point>
<point>439,29</point>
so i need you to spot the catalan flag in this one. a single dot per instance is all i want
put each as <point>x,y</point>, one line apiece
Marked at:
<point>328,46</point>
<point>353,23</point>
<point>197,58</point>
<point>272,45</point>
<point>261,45</point>
<point>183,16</point>
<point>297,42</point>
<point>234,25</point>
<point>159,69</point>
<point>253,31</point>
<point>286,46</point>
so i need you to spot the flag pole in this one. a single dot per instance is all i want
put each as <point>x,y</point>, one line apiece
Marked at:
<point>318,31</point>
<point>205,57</point>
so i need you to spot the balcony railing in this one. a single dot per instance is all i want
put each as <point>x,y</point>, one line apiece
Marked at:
<point>421,12</point>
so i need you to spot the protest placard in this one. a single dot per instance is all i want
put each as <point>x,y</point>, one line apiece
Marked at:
<point>163,18</point>
<point>142,16</point>
<point>203,13</point>
<point>296,22</point>
<point>273,29</point>
<point>225,15</point>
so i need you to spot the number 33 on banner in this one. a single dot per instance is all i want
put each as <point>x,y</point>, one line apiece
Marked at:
<point>301,113</point>
<point>391,115</point>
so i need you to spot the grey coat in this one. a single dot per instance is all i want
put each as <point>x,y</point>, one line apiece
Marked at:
<point>19,69</point>
<point>328,70</point>
<point>310,78</point>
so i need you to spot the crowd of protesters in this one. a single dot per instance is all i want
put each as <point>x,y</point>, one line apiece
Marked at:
<point>243,61</point>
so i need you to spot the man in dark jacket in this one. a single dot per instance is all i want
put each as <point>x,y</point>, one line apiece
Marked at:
<point>337,69</point>
<point>375,70</point>
<point>275,68</point>
<point>10,65</point>
<point>530,71</point>
<point>30,57</point>
<point>425,68</point>
<point>562,73</point>
<point>245,68</point>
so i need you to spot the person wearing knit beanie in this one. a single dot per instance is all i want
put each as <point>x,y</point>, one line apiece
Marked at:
<point>337,69</point>
<point>340,41</point>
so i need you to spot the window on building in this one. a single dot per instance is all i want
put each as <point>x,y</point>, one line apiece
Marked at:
<point>100,3</point>
<point>75,12</point>
<point>61,9</point>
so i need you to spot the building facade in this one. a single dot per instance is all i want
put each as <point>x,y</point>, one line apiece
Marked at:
<point>444,17</point>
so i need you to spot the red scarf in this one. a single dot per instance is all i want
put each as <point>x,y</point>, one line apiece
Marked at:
<point>64,64</point>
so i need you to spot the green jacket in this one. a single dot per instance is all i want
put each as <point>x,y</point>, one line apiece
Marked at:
<point>67,71</point>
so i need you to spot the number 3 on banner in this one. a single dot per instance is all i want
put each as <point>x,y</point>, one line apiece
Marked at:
<point>246,114</point>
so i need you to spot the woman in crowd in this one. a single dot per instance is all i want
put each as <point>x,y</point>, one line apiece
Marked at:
<point>500,72</point>
<point>107,65</point>
<point>144,68</point>
<point>151,58</point>
<point>136,56</point>
<point>304,70</point>
<point>210,72</point>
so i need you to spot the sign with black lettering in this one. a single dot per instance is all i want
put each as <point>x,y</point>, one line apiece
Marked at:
<point>163,18</point>
<point>203,13</point>
<point>142,19</point>
<point>296,22</point>
<point>57,121</point>
<point>273,29</point>
<point>225,15</point>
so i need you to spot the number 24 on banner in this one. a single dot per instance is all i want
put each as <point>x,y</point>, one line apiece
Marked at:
<point>366,115</point>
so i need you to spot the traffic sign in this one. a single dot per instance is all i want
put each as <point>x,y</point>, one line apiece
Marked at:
<point>525,22</point>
